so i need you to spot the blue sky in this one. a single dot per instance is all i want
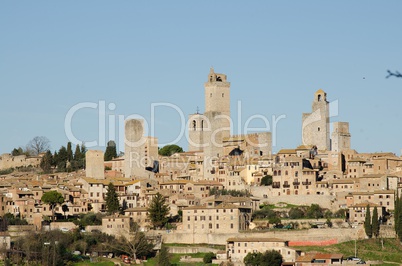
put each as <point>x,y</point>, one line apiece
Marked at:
<point>276,54</point>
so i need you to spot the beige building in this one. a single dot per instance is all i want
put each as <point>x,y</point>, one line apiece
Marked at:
<point>238,248</point>
<point>116,225</point>
<point>202,221</point>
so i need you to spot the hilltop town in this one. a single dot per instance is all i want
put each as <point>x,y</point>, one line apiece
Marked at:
<point>226,189</point>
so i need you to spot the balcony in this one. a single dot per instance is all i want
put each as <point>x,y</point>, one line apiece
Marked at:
<point>286,185</point>
<point>296,183</point>
<point>276,185</point>
<point>306,183</point>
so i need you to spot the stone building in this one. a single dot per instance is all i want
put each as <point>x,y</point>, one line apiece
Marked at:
<point>340,138</point>
<point>315,125</point>
<point>238,248</point>
<point>140,151</point>
<point>95,167</point>
<point>210,132</point>
<point>201,221</point>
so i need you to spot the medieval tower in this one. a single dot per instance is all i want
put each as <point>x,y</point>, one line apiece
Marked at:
<point>315,125</point>
<point>340,138</point>
<point>207,131</point>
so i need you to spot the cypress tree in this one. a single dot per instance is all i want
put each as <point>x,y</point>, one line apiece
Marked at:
<point>112,200</point>
<point>69,152</point>
<point>367,223</point>
<point>375,224</point>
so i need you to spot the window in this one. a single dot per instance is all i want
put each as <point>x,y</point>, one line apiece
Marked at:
<point>210,226</point>
<point>217,226</point>
<point>231,226</point>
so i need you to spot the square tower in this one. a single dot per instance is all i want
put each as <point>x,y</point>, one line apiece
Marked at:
<point>315,125</point>
<point>340,137</point>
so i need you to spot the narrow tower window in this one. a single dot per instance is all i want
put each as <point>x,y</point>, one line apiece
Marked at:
<point>223,94</point>
<point>319,97</point>
<point>194,124</point>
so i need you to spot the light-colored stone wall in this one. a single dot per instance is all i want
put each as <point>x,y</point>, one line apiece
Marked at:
<point>8,161</point>
<point>95,167</point>
<point>340,234</point>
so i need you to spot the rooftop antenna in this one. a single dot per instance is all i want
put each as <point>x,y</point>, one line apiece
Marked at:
<point>198,110</point>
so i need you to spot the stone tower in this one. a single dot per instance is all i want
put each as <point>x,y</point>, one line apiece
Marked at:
<point>340,137</point>
<point>95,167</point>
<point>207,131</point>
<point>315,125</point>
<point>139,151</point>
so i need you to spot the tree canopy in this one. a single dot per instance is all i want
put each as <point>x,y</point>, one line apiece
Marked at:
<point>112,200</point>
<point>52,198</point>
<point>169,150</point>
<point>268,258</point>
<point>111,151</point>
<point>158,211</point>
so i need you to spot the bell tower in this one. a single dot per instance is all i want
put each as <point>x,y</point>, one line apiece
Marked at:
<point>315,126</point>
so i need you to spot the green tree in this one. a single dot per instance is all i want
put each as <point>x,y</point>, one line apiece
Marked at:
<point>163,258</point>
<point>62,159</point>
<point>65,209</point>
<point>315,211</point>
<point>111,151</point>
<point>112,199</point>
<point>266,180</point>
<point>16,152</point>
<point>69,152</point>
<point>158,211</point>
<point>208,257</point>
<point>46,162</point>
<point>296,213</point>
<point>169,150</point>
<point>375,225</point>
<point>367,223</point>
<point>268,258</point>
<point>52,198</point>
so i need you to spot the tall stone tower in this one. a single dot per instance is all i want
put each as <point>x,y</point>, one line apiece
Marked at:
<point>340,137</point>
<point>139,151</point>
<point>95,167</point>
<point>315,125</point>
<point>207,131</point>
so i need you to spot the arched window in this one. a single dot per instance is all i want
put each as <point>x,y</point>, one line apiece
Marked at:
<point>202,125</point>
<point>319,97</point>
<point>194,124</point>
<point>279,172</point>
<point>286,172</point>
<point>275,173</point>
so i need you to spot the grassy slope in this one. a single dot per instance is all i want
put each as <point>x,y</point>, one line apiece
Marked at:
<point>370,249</point>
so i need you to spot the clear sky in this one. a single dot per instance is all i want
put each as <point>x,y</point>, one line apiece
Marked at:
<point>55,55</point>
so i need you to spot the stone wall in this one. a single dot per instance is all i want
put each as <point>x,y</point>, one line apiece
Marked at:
<point>338,234</point>
<point>264,193</point>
